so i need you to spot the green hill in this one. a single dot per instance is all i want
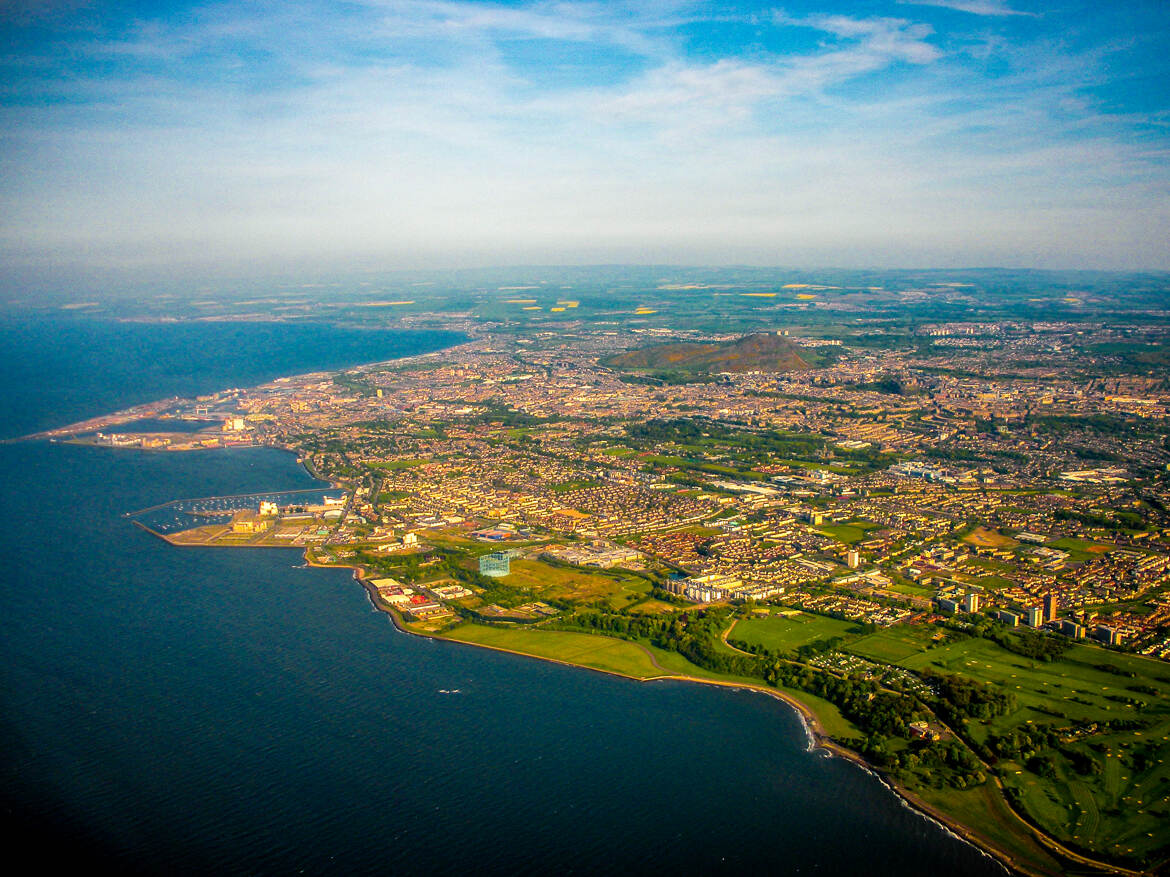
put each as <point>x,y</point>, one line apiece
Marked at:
<point>759,352</point>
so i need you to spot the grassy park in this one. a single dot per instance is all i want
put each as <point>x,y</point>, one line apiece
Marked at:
<point>892,645</point>
<point>582,649</point>
<point>786,632</point>
<point>557,581</point>
<point>850,532</point>
<point>1083,752</point>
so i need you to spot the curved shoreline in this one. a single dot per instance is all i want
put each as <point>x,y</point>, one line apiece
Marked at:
<point>818,739</point>
<point>147,409</point>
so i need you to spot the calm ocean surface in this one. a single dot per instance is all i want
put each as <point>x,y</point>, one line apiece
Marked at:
<point>210,710</point>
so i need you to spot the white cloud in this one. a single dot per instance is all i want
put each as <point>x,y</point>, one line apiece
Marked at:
<point>877,39</point>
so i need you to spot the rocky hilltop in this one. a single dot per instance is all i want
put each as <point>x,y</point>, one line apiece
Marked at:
<point>763,351</point>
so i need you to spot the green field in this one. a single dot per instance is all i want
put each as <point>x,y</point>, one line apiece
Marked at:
<point>911,590</point>
<point>1100,789</point>
<point>583,649</point>
<point>1081,550</point>
<point>1087,545</point>
<point>703,466</point>
<point>892,645</point>
<point>556,581</point>
<point>786,633</point>
<point>989,564</point>
<point>618,451</point>
<point>849,533</point>
<point>393,465</point>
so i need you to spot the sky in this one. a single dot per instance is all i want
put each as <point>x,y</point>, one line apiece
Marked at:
<point>182,138</point>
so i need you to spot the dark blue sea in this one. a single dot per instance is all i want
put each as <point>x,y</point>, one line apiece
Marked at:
<point>182,710</point>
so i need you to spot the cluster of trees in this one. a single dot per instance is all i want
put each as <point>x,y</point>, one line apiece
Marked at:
<point>688,480</point>
<point>1040,747</point>
<point>334,467</point>
<point>959,698</point>
<point>819,647</point>
<point>1141,757</point>
<point>377,425</point>
<point>1119,520</point>
<point>358,384</point>
<point>496,413</point>
<point>322,444</point>
<point>948,762</point>
<point>872,457</point>
<point>1062,424</point>
<point>982,455</point>
<point>1086,453</point>
<point>662,596</point>
<point>667,378</point>
<point>679,430</point>
<point>695,430</point>
<point>1134,702</point>
<point>1031,644</point>
<point>889,386</point>
<point>1115,670</point>
<point>1021,742</point>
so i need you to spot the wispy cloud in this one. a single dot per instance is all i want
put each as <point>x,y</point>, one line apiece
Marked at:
<point>683,95</point>
<point>975,7</point>
<point>878,41</point>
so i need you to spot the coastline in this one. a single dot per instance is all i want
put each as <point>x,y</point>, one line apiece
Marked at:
<point>817,737</point>
<point>154,407</point>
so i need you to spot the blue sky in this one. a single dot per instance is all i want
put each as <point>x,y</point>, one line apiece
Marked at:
<point>374,134</point>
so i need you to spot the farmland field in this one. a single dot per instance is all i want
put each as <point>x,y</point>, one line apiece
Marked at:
<point>984,537</point>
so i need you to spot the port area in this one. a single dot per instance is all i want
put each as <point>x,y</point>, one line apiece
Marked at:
<point>164,441</point>
<point>290,519</point>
